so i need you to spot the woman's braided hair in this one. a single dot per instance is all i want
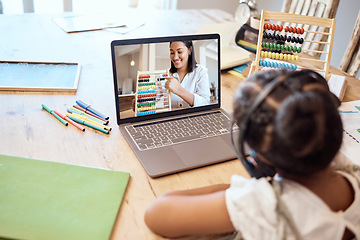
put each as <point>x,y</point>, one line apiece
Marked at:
<point>297,127</point>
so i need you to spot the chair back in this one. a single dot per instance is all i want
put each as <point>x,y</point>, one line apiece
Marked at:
<point>350,62</point>
<point>314,8</point>
<point>29,6</point>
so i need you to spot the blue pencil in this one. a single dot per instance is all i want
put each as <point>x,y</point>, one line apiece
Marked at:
<point>88,107</point>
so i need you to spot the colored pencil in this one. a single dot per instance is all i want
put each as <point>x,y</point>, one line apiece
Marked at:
<point>91,109</point>
<point>70,121</point>
<point>54,114</point>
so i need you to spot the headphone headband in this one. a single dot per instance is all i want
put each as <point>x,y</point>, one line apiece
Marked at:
<point>261,169</point>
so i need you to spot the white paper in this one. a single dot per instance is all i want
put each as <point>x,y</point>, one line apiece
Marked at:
<point>350,116</point>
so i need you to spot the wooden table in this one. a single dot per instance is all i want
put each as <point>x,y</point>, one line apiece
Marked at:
<point>27,130</point>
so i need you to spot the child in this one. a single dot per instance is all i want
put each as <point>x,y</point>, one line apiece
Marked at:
<point>295,130</point>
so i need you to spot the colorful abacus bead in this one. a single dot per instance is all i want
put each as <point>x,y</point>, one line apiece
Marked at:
<point>279,56</point>
<point>145,113</point>
<point>294,30</point>
<point>147,95</point>
<point>144,76</point>
<point>281,47</point>
<point>264,35</point>
<point>272,64</point>
<point>274,27</point>
<point>297,39</point>
<point>146,104</point>
<point>146,91</point>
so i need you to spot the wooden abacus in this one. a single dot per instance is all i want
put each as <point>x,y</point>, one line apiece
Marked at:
<point>151,95</point>
<point>287,51</point>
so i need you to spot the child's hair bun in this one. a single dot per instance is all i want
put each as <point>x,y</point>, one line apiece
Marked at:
<point>300,123</point>
<point>308,129</point>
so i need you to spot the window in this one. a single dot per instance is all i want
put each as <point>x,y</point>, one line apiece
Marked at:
<point>82,6</point>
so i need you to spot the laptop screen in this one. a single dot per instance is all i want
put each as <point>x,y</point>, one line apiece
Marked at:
<point>165,76</point>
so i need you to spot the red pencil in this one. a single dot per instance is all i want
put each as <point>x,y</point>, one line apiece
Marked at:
<point>70,121</point>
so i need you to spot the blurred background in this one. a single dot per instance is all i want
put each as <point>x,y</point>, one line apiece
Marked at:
<point>345,18</point>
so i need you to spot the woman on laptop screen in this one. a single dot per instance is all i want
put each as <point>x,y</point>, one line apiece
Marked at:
<point>188,81</point>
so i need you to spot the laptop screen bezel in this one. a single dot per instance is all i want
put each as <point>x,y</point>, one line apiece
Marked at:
<point>195,37</point>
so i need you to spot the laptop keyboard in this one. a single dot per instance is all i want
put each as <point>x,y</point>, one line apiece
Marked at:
<point>179,130</point>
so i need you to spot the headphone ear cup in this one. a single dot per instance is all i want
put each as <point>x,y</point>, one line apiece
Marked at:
<point>255,167</point>
<point>261,169</point>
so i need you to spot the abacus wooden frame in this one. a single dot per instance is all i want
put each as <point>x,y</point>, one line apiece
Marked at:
<point>158,72</point>
<point>299,19</point>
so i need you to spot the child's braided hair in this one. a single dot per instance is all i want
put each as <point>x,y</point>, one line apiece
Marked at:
<point>297,127</point>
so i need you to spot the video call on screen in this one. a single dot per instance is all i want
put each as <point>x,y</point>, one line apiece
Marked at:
<point>142,71</point>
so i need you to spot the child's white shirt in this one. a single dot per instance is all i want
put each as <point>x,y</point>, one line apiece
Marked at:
<point>252,204</point>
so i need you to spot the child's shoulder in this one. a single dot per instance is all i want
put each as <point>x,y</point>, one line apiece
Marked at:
<point>252,207</point>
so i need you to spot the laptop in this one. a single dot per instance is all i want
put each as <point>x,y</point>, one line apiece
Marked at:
<point>170,134</point>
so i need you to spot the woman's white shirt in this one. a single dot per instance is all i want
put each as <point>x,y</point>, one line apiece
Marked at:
<point>197,83</point>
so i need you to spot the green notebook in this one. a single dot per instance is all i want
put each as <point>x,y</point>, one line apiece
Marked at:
<point>49,200</point>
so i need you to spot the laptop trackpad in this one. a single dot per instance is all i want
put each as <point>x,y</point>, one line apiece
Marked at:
<point>204,151</point>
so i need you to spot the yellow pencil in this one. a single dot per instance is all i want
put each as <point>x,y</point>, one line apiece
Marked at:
<point>81,117</point>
